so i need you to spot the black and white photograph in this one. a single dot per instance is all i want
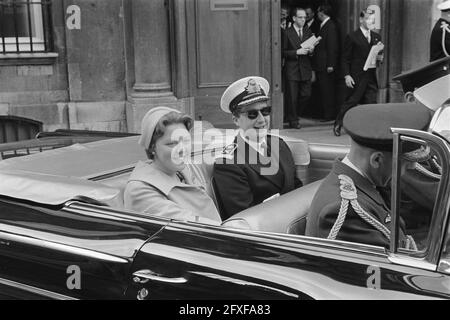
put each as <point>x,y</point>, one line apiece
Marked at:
<point>224,154</point>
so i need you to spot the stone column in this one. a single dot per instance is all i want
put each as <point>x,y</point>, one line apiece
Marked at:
<point>152,60</point>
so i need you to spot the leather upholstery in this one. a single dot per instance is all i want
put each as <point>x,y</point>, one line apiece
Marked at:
<point>285,214</point>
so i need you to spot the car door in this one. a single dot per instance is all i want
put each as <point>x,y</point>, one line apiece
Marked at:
<point>192,261</point>
<point>74,251</point>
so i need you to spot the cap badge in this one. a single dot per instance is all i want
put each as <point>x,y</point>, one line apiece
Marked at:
<point>252,87</point>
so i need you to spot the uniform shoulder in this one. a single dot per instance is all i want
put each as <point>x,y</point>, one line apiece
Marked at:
<point>328,191</point>
<point>227,153</point>
<point>276,138</point>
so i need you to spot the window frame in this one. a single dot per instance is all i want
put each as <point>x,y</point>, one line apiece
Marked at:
<point>429,258</point>
<point>38,46</point>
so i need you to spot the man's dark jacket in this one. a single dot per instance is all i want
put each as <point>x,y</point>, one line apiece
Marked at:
<point>356,51</point>
<point>327,202</point>
<point>240,185</point>
<point>297,67</point>
<point>326,53</point>
<point>315,27</point>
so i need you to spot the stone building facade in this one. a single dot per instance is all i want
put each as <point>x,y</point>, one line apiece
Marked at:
<point>112,60</point>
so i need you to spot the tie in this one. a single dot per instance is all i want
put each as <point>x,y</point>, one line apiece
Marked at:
<point>300,33</point>
<point>263,148</point>
<point>368,37</point>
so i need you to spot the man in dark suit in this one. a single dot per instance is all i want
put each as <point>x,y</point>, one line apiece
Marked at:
<point>298,66</point>
<point>325,61</point>
<point>363,85</point>
<point>350,204</point>
<point>311,21</point>
<point>440,36</point>
<point>285,23</point>
<point>256,166</point>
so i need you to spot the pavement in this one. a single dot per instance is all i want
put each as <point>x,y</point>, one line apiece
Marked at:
<point>312,130</point>
<point>315,131</point>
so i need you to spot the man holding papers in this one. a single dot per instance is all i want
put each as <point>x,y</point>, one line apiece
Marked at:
<point>298,45</point>
<point>362,48</point>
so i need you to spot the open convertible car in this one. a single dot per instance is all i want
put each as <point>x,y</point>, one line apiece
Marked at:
<point>64,234</point>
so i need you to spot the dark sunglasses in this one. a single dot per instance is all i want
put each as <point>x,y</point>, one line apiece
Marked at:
<point>253,114</point>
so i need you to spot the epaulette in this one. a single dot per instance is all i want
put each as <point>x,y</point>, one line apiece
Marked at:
<point>229,149</point>
<point>348,189</point>
<point>349,198</point>
<point>227,152</point>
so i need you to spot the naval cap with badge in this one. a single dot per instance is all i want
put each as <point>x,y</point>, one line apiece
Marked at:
<point>430,84</point>
<point>444,6</point>
<point>244,92</point>
<point>370,126</point>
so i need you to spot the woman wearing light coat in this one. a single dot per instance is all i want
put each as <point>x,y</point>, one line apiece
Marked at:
<point>164,186</point>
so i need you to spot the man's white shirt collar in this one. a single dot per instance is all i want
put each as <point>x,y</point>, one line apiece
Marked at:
<point>258,146</point>
<point>310,22</point>
<point>350,164</point>
<point>324,21</point>
<point>365,32</point>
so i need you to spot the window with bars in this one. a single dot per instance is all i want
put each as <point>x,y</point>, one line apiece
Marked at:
<point>25,26</point>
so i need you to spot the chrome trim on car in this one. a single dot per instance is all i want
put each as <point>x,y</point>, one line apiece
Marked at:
<point>395,197</point>
<point>34,290</point>
<point>311,243</point>
<point>444,266</point>
<point>111,213</point>
<point>316,243</point>
<point>242,282</point>
<point>62,247</point>
<point>110,174</point>
<point>442,202</point>
<point>412,262</point>
<point>143,276</point>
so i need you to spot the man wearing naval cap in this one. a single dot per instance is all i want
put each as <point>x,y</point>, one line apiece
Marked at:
<point>348,205</point>
<point>428,84</point>
<point>243,175</point>
<point>440,36</point>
